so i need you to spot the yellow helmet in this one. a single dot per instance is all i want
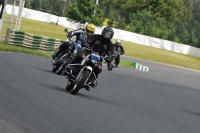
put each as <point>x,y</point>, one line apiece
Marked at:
<point>90,27</point>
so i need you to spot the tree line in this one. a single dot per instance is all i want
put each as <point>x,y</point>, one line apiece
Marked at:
<point>174,20</point>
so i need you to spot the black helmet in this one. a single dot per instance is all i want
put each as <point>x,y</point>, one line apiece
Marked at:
<point>107,33</point>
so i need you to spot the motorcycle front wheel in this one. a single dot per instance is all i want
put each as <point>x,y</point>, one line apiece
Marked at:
<point>110,66</point>
<point>69,86</point>
<point>62,67</point>
<point>81,80</point>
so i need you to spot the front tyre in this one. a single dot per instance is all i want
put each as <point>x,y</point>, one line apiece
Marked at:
<point>79,84</point>
<point>69,86</point>
<point>62,67</point>
<point>109,67</point>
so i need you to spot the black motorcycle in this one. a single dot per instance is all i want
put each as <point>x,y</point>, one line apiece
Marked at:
<point>65,57</point>
<point>79,74</point>
<point>112,64</point>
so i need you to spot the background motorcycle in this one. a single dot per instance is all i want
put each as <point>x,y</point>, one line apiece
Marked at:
<point>112,64</point>
<point>80,74</point>
<point>66,56</point>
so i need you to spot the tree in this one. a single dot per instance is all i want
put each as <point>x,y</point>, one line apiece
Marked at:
<point>83,11</point>
<point>175,20</point>
<point>194,25</point>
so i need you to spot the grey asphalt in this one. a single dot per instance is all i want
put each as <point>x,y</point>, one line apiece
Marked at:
<point>34,100</point>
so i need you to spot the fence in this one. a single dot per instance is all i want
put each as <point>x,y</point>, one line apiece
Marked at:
<point>24,39</point>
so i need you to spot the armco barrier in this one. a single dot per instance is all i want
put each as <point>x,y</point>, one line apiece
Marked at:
<point>24,39</point>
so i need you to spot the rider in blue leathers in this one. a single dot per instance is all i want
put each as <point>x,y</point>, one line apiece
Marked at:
<point>81,34</point>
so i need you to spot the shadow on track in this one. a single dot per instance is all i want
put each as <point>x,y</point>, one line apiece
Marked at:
<point>81,95</point>
<point>44,70</point>
<point>194,113</point>
<point>49,71</point>
<point>57,88</point>
<point>98,99</point>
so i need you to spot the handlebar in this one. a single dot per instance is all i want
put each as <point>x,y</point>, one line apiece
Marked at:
<point>113,55</point>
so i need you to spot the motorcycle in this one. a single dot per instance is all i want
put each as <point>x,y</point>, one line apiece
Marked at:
<point>79,74</point>
<point>65,57</point>
<point>112,64</point>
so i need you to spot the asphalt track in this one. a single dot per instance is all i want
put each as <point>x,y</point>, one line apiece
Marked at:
<point>34,100</point>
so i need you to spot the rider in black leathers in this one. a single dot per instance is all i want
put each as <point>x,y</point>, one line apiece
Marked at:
<point>118,48</point>
<point>101,44</point>
<point>81,34</point>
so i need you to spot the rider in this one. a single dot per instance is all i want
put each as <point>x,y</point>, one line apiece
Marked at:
<point>80,35</point>
<point>102,45</point>
<point>118,48</point>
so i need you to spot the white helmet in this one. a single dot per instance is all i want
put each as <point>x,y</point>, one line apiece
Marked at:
<point>118,42</point>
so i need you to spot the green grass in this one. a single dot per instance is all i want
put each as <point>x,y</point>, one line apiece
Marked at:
<point>18,49</point>
<point>162,56</point>
<point>126,64</point>
<point>131,49</point>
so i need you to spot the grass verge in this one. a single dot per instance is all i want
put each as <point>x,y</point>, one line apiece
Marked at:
<point>4,47</point>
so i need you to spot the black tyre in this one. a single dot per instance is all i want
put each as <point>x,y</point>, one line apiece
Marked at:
<point>109,67</point>
<point>69,86</point>
<point>79,84</point>
<point>62,67</point>
<point>54,69</point>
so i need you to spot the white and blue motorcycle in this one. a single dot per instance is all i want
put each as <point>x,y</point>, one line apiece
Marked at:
<point>79,75</point>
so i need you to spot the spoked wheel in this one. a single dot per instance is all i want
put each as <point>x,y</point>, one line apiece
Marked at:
<point>69,86</point>
<point>81,80</point>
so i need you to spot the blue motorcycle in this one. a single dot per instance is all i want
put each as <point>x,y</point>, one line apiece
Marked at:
<point>65,57</point>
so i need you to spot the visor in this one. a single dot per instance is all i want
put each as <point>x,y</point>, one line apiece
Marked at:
<point>118,43</point>
<point>108,35</point>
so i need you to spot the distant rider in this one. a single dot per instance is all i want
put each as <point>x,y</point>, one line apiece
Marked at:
<point>80,35</point>
<point>118,48</point>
